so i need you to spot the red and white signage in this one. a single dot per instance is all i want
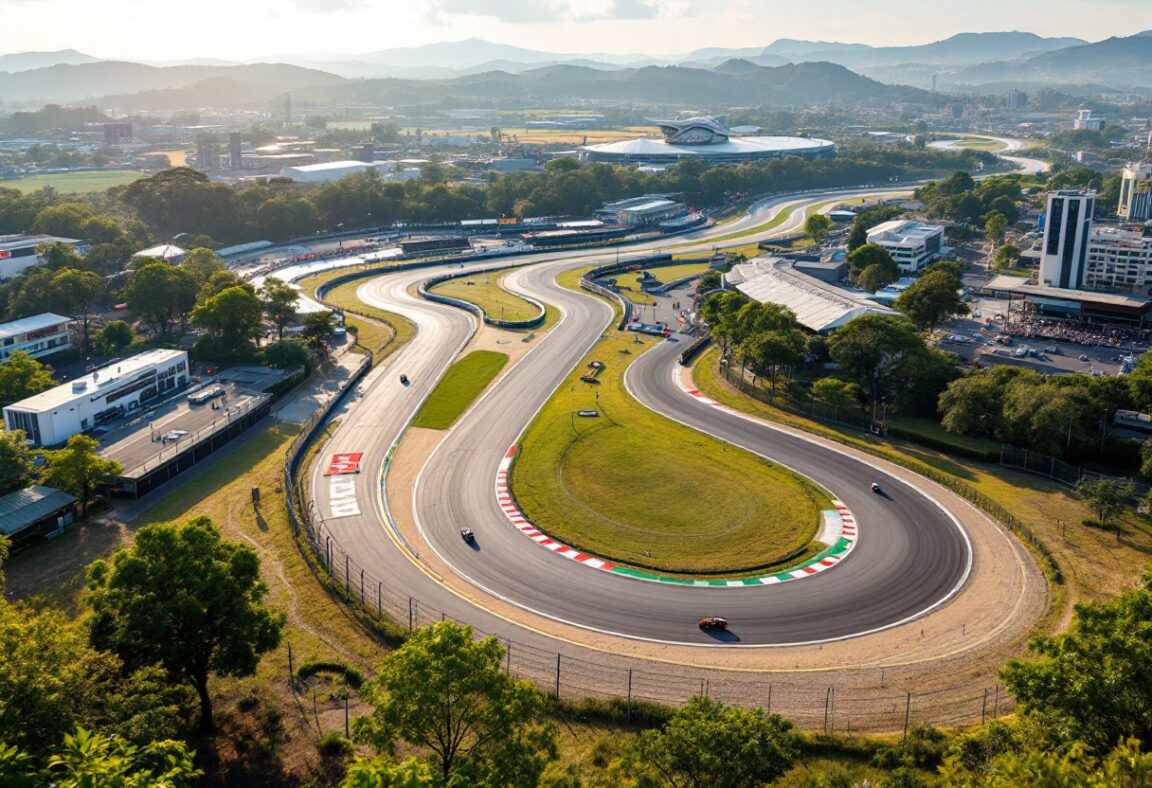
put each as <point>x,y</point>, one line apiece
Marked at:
<point>343,464</point>
<point>5,254</point>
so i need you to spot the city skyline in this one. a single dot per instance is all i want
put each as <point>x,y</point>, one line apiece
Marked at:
<point>133,29</point>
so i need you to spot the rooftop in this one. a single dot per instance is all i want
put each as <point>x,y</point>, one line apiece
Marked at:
<point>163,252</point>
<point>818,306</point>
<point>10,242</point>
<point>22,508</point>
<point>903,231</point>
<point>737,146</point>
<point>87,385</point>
<point>34,323</point>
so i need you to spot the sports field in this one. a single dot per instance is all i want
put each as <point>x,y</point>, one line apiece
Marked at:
<point>74,182</point>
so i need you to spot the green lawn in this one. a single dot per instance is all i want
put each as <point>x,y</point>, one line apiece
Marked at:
<point>461,384</point>
<point>384,333</point>
<point>641,490</point>
<point>76,182</point>
<point>486,290</point>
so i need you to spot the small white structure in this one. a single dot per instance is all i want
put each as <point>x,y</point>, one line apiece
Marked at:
<point>330,171</point>
<point>912,245</point>
<point>18,252</point>
<point>37,336</point>
<point>169,253</point>
<point>53,416</point>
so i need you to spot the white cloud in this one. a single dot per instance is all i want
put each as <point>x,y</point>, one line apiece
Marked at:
<point>535,11</point>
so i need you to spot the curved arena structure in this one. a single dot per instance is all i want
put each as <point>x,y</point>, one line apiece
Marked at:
<point>703,139</point>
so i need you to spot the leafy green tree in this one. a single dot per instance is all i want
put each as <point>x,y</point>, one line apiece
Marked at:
<point>288,354</point>
<point>707,743</point>
<point>771,352</point>
<point>318,326</point>
<point>995,225</point>
<point>21,376</point>
<point>1007,256</point>
<point>232,318</point>
<point>115,336</point>
<point>77,293</point>
<point>1107,498</point>
<point>834,391</point>
<point>16,468</point>
<point>817,226</point>
<point>871,267</point>
<point>446,693</point>
<point>720,312</point>
<point>201,264</point>
<point>1073,766</point>
<point>932,299</point>
<point>382,773</point>
<point>280,300</point>
<point>90,759</point>
<point>1054,417</point>
<point>1092,682</point>
<point>219,282</point>
<point>924,376</point>
<point>79,469</point>
<point>872,348</point>
<point>182,597</point>
<point>161,294</point>
<point>972,405</point>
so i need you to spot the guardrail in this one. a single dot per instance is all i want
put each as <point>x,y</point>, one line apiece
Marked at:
<point>476,309</point>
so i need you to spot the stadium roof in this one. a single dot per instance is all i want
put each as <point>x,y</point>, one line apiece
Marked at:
<point>818,306</point>
<point>738,146</point>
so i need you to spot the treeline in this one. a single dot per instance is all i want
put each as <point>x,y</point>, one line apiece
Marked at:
<point>182,200</point>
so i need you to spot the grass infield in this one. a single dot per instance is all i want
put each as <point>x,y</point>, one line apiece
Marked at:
<point>461,384</point>
<point>644,491</point>
<point>75,182</point>
<point>486,291</point>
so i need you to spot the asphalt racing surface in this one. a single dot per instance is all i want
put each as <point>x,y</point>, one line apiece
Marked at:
<point>910,557</point>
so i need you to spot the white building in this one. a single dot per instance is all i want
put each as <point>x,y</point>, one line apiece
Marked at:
<point>169,253</point>
<point>1120,259</point>
<point>1085,120</point>
<point>53,416</point>
<point>912,245</point>
<point>1064,253</point>
<point>330,171</point>
<point>1136,193</point>
<point>37,336</point>
<point>18,252</point>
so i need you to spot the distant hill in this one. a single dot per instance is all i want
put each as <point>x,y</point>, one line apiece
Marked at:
<point>1118,62</point>
<point>75,82</point>
<point>788,85</point>
<point>964,48</point>
<point>27,61</point>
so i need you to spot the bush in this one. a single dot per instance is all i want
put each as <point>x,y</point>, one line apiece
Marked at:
<point>333,745</point>
<point>1092,522</point>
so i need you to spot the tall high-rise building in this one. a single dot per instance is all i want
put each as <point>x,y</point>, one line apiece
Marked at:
<point>1016,100</point>
<point>235,151</point>
<point>1064,255</point>
<point>1136,193</point>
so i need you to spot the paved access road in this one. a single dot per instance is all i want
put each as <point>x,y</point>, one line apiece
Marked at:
<point>910,555</point>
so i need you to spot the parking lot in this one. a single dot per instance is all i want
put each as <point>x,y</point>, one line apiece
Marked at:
<point>172,426</point>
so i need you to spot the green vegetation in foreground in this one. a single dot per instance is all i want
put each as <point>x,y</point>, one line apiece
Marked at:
<point>486,290</point>
<point>631,482</point>
<point>74,182</point>
<point>461,384</point>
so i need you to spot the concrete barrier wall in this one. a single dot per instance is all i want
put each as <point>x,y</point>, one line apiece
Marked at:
<point>425,292</point>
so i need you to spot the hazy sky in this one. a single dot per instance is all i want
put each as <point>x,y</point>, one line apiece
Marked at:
<point>245,29</point>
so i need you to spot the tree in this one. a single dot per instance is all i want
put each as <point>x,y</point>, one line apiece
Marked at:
<point>382,773</point>
<point>770,352</point>
<point>1007,256</point>
<point>707,743</point>
<point>871,349</point>
<point>86,759</point>
<point>182,597</point>
<point>78,469</point>
<point>16,468</point>
<point>318,326</point>
<point>1072,766</point>
<point>1107,498</point>
<point>289,354</point>
<point>201,264</point>
<point>231,318</point>
<point>871,267</point>
<point>217,283</point>
<point>1092,682</point>
<point>817,225</point>
<point>115,336</point>
<point>280,300</point>
<point>972,404</point>
<point>160,294</point>
<point>719,312</point>
<point>932,299</point>
<point>21,376</point>
<point>995,225</point>
<point>445,692</point>
<point>836,392</point>
<point>76,293</point>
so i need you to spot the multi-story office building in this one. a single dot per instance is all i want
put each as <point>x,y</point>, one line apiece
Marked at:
<point>1064,253</point>
<point>1120,259</point>
<point>18,252</point>
<point>53,416</point>
<point>1087,121</point>
<point>1136,193</point>
<point>912,245</point>
<point>40,335</point>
